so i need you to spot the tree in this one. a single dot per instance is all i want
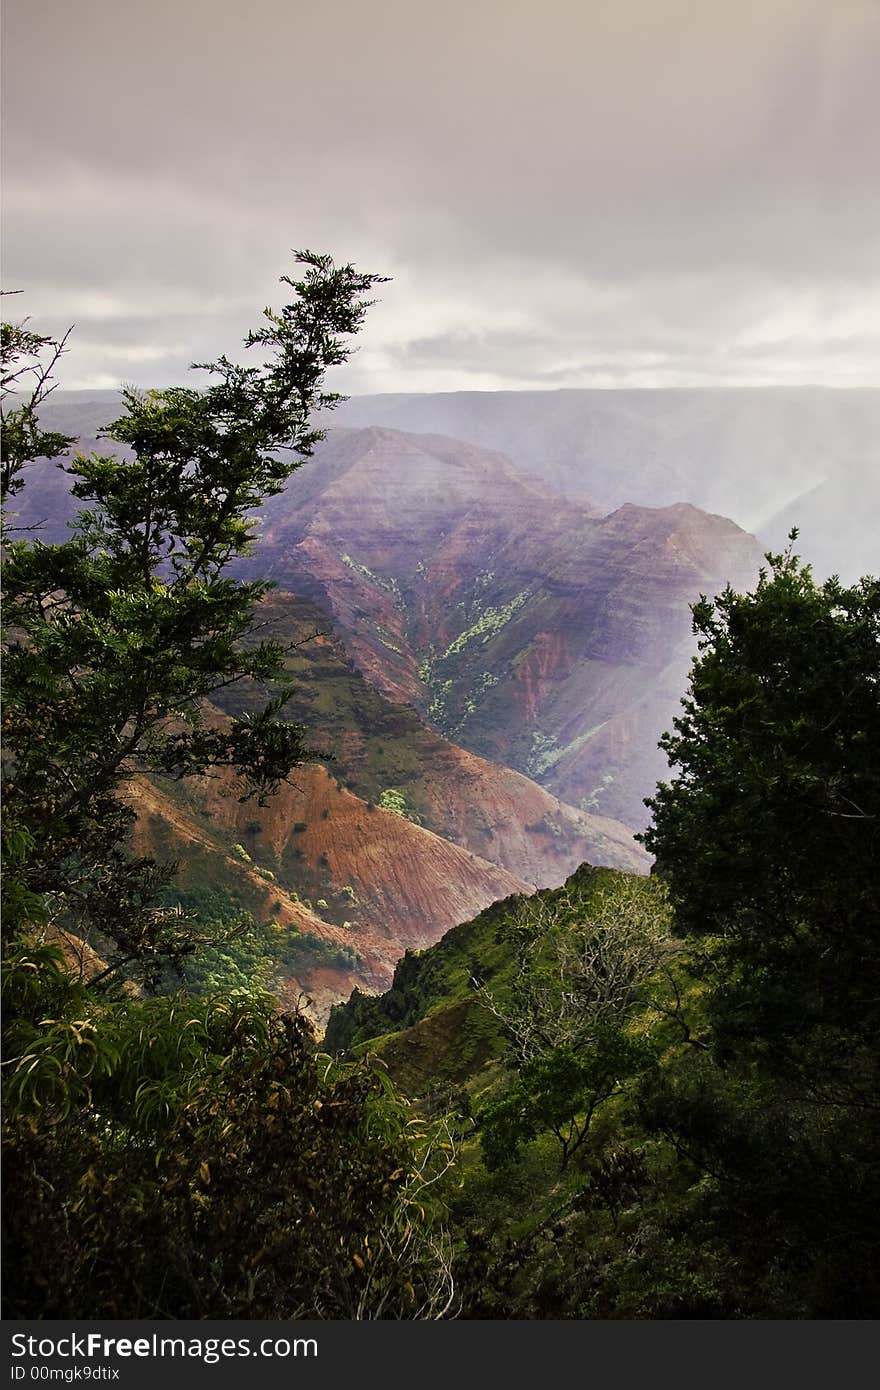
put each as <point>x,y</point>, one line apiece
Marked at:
<point>582,969</point>
<point>769,839</point>
<point>395,801</point>
<point>28,360</point>
<point>117,637</point>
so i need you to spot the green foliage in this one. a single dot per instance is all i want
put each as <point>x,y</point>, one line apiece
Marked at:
<point>440,671</point>
<point>120,1057</point>
<point>468,1023</point>
<point>768,837</point>
<point>28,360</point>
<point>582,972</point>
<point>177,1155</point>
<point>394,801</point>
<point>239,952</point>
<point>769,840</point>
<point>544,753</point>
<point>481,961</point>
<point>426,983</point>
<point>117,637</point>
<point>560,1091</point>
<point>490,622</point>
<point>198,1160</point>
<point>389,583</point>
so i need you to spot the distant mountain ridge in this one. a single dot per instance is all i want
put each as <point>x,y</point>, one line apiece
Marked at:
<point>755,454</point>
<point>531,629</point>
<point>746,452</point>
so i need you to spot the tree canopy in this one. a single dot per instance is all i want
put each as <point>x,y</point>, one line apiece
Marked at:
<point>769,837</point>
<point>582,968</point>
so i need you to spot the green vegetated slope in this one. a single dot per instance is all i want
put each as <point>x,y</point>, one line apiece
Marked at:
<point>433,1026</point>
<point>612,1160</point>
<point>556,1172</point>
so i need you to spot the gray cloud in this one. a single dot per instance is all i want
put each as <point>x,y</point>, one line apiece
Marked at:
<point>643,191</point>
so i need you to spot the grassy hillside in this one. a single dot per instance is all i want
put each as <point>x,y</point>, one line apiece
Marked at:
<point>601,1235</point>
<point>432,1026</point>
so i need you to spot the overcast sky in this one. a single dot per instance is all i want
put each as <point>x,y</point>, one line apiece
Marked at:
<point>566,192</point>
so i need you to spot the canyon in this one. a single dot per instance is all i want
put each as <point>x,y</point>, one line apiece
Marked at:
<point>487,665</point>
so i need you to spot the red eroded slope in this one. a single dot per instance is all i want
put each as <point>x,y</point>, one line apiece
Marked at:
<point>405,886</point>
